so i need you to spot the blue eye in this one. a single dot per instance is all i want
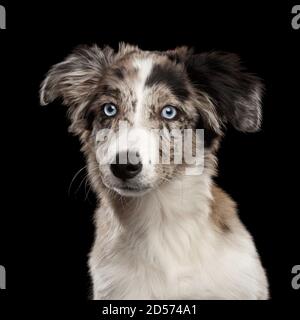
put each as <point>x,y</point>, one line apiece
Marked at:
<point>169,112</point>
<point>110,110</point>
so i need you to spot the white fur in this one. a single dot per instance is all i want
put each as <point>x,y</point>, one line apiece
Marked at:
<point>169,249</point>
<point>144,67</point>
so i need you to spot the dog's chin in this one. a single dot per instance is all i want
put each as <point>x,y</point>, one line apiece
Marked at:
<point>132,192</point>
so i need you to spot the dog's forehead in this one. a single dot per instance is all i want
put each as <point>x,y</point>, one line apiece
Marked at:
<point>144,71</point>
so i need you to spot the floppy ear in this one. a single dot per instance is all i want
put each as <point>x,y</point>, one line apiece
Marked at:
<point>76,78</point>
<point>235,93</point>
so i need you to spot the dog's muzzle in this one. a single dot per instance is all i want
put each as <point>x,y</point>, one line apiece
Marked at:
<point>128,165</point>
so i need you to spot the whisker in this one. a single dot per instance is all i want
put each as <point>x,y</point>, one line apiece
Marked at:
<point>73,179</point>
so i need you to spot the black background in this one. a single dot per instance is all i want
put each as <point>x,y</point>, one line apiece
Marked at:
<point>46,225</point>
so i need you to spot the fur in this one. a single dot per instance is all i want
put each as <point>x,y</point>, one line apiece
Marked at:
<point>162,234</point>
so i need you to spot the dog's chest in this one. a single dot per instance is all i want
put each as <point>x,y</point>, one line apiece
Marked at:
<point>171,250</point>
<point>172,268</point>
<point>179,262</point>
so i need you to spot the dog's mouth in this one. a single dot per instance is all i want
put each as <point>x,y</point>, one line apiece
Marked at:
<point>129,188</point>
<point>132,191</point>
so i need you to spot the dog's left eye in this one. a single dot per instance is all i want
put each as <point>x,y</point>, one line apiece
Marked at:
<point>169,112</point>
<point>110,110</point>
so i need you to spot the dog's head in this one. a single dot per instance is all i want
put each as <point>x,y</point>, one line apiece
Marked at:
<point>118,100</point>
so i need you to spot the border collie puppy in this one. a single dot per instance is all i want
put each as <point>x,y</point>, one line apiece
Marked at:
<point>161,233</point>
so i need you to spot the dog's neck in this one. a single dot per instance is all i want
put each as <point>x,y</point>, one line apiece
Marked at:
<point>184,198</point>
<point>175,216</point>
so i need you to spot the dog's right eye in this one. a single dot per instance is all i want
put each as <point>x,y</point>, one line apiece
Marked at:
<point>109,109</point>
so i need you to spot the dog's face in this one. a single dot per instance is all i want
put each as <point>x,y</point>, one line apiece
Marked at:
<point>126,107</point>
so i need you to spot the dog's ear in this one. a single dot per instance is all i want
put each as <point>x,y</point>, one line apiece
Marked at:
<point>76,78</point>
<point>235,93</point>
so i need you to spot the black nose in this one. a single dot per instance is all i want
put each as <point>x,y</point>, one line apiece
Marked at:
<point>127,170</point>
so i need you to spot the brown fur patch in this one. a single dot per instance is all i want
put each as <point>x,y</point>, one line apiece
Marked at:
<point>223,209</point>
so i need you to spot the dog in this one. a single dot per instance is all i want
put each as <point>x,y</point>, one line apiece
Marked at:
<point>161,233</point>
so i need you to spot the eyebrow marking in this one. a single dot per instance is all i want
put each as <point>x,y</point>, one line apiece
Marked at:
<point>173,78</point>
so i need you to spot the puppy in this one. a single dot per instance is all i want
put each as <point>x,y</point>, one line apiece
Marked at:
<point>163,230</point>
